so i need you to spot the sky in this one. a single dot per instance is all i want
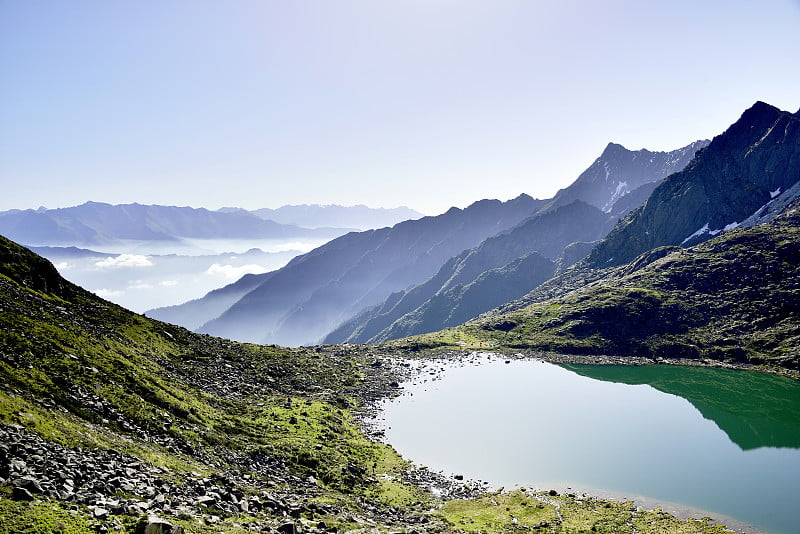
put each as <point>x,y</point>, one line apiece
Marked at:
<point>423,103</point>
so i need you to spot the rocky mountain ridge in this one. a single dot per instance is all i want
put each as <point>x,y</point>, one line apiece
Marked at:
<point>619,171</point>
<point>297,315</point>
<point>501,267</point>
<point>740,172</point>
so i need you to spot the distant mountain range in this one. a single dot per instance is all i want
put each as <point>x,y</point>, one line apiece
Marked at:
<point>390,286</point>
<point>97,223</point>
<point>317,291</point>
<point>501,268</point>
<point>358,217</point>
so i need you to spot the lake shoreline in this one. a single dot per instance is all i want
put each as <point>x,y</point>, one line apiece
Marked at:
<point>429,364</point>
<point>560,358</point>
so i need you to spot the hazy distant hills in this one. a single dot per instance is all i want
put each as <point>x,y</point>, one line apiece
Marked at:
<point>315,292</point>
<point>740,173</point>
<point>195,313</point>
<point>358,217</point>
<point>357,287</point>
<point>481,278</point>
<point>96,223</point>
<point>452,296</point>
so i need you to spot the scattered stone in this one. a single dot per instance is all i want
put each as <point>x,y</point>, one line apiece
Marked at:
<point>21,494</point>
<point>156,525</point>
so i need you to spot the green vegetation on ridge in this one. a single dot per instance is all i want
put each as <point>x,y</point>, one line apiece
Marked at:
<point>733,298</point>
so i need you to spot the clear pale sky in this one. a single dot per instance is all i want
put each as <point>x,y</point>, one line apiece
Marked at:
<point>426,103</point>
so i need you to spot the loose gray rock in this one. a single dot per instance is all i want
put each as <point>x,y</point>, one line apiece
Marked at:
<point>21,494</point>
<point>156,525</point>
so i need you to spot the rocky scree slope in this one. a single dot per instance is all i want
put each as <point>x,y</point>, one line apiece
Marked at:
<point>111,422</point>
<point>123,417</point>
<point>735,297</point>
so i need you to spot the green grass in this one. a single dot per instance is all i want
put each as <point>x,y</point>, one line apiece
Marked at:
<point>541,512</point>
<point>42,518</point>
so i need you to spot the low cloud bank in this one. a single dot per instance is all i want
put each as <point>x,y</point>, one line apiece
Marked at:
<point>233,271</point>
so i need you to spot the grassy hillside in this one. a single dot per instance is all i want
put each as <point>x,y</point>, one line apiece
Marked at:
<point>736,297</point>
<point>111,422</point>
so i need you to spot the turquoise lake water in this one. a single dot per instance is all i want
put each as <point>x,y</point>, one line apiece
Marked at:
<point>724,443</point>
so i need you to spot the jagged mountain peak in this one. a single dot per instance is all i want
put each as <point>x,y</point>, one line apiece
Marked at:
<point>612,149</point>
<point>619,171</point>
<point>740,172</point>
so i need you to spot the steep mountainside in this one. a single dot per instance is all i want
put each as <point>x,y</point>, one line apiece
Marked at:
<point>195,313</point>
<point>461,303</point>
<point>738,174</point>
<point>619,171</point>
<point>617,182</point>
<point>95,223</point>
<point>420,309</point>
<point>113,422</point>
<point>315,292</point>
<point>735,297</point>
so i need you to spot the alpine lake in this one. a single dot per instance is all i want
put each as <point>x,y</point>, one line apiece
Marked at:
<point>695,441</point>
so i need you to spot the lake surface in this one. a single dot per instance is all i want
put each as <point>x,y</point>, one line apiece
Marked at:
<point>720,441</point>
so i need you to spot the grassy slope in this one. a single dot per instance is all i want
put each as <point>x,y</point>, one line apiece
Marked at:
<point>82,372</point>
<point>736,297</point>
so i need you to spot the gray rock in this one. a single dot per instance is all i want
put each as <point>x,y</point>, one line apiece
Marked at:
<point>288,528</point>
<point>29,483</point>
<point>156,525</point>
<point>21,494</point>
<point>206,500</point>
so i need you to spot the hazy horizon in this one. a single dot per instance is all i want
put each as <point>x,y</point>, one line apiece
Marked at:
<point>424,104</point>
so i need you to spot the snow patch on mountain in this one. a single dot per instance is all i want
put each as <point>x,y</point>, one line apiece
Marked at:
<point>622,190</point>
<point>702,230</point>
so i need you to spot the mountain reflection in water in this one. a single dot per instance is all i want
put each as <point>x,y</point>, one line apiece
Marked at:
<point>753,409</point>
